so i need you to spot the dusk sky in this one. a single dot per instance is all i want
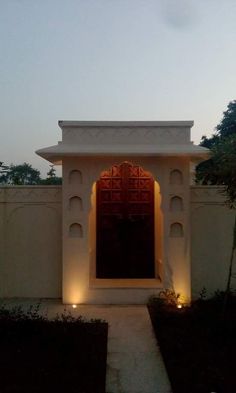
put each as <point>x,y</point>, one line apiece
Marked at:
<point>111,60</point>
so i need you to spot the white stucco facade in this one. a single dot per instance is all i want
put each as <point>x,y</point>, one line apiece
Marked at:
<point>48,234</point>
<point>164,150</point>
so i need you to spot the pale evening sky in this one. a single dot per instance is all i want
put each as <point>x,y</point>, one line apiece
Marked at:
<point>111,60</point>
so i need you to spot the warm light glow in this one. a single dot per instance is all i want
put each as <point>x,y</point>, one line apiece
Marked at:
<point>74,305</point>
<point>179,305</point>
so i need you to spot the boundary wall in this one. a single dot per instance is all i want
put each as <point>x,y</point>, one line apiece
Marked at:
<point>211,239</point>
<point>31,240</point>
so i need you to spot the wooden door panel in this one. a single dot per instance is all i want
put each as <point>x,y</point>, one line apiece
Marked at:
<point>125,223</point>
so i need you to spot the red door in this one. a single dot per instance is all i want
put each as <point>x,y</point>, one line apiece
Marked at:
<point>125,223</point>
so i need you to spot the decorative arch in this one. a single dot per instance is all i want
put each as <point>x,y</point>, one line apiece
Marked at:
<point>176,204</point>
<point>75,204</point>
<point>75,230</point>
<point>176,230</point>
<point>176,177</point>
<point>75,177</point>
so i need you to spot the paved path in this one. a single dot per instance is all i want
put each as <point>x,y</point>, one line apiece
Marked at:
<point>134,362</point>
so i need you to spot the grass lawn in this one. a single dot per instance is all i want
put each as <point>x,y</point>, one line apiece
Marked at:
<point>63,355</point>
<point>198,344</point>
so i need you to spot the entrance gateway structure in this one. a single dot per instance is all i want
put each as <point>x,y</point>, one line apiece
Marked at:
<point>126,208</point>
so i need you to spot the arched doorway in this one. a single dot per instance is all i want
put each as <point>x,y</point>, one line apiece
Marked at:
<point>125,223</point>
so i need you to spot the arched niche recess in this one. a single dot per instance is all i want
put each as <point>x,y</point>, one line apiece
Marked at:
<point>176,204</point>
<point>76,230</point>
<point>176,230</point>
<point>75,177</point>
<point>75,204</point>
<point>176,177</point>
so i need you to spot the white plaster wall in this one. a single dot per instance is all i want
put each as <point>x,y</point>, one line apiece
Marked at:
<point>30,241</point>
<point>31,238</point>
<point>78,285</point>
<point>88,148</point>
<point>178,267</point>
<point>212,236</point>
<point>78,253</point>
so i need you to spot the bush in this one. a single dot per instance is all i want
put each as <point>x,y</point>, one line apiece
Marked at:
<point>41,355</point>
<point>197,343</point>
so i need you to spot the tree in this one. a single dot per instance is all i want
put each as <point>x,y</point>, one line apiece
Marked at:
<point>3,172</point>
<point>22,174</point>
<point>227,126</point>
<point>206,172</point>
<point>224,165</point>
<point>221,169</point>
<point>51,179</point>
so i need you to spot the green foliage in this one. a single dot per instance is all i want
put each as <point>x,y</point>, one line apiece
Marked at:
<point>197,344</point>
<point>227,126</point>
<point>205,173</point>
<point>224,160</point>
<point>221,169</point>
<point>3,172</point>
<point>222,143</point>
<point>42,355</point>
<point>52,172</point>
<point>203,294</point>
<point>167,297</point>
<point>51,179</point>
<point>209,142</point>
<point>22,174</point>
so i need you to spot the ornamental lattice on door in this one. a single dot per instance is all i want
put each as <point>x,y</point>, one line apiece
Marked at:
<point>125,223</point>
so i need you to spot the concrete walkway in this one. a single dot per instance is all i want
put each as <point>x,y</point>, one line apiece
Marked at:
<point>134,362</point>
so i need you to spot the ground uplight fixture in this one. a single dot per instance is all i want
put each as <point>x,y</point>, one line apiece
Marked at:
<point>179,305</point>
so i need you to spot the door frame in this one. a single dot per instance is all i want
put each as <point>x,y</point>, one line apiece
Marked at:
<point>157,281</point>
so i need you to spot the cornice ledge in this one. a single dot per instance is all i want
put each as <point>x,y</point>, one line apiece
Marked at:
<point>108,123</point>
